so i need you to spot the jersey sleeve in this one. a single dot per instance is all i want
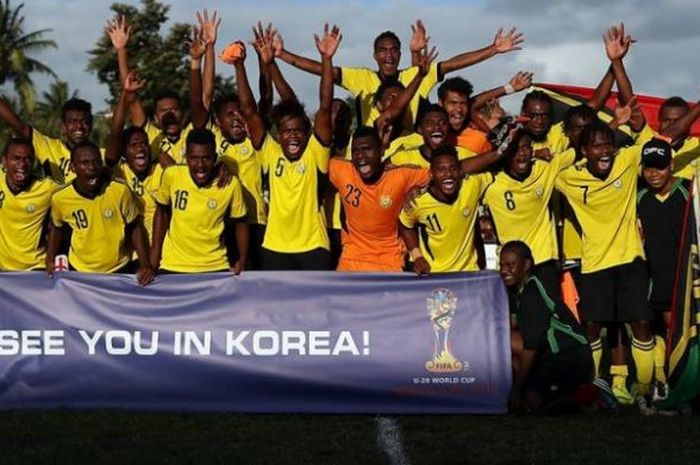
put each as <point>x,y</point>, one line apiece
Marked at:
<point>417,177</point>
<point>356,80</point>
<point>631,155</point>
<point>409,216</point>
<point>162,195</point>
<point>484,181</point>
<point>238,208</point>
<point>533,319</point>
<point>463,153</point>
<point>56,213</point>
<point>321,155</point>
<point>151,131</point>
<point>564,159</point>
<point>338,171</point>
<point>644,136</point>
<point>128,205</point>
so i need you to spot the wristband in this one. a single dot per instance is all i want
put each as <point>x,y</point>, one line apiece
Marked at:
<point>415,253</point>
<point>508,88</point>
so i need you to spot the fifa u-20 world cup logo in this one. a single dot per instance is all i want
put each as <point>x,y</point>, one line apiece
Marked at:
<point>442,305</point>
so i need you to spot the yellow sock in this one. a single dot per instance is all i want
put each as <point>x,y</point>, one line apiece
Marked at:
<point>619,375</point>
<point>597,349</point>
<point>643,355</point>
<point>660,359</point>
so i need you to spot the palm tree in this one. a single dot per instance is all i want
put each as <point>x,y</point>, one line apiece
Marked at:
<point>15,45</point>
<point>47,116</point>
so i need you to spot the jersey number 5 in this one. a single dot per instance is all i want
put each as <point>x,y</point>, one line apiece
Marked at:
<point>2,198</point>
<point>279,168</point>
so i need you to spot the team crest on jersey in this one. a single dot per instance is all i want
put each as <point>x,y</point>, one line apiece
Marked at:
<point>212,204</point>
<point>618,184</point>
<point>31,208</point>
<point>301,168</point>
<point>466,212</point>
<point>243,150</point>
<point>385,201</point>
<point>539,191</point>
<point>107,213</point>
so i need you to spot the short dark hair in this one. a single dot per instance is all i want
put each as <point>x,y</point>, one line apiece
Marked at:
<point>430,108</point>
<point>289,109</point>
<point>222,100</point>
<point>386,84</point>
<point>76,104</point>
<point>129,132</point>
<point>83,145</point>
<point>579,111</point>
<point>519,248</point>
<point>456,84</point>
<point>18,141</point>
<point>386,35</point>
<point>598,127</point>
<point>366,131</point>
<point>163,94</point>
<point>445,150</point>
<point>678,102</point>
<point>202,136</point>
<point>538,95</point>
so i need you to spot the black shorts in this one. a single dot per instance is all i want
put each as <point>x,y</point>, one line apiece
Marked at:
<point>559,374</point>
<point>313,260</point>
<point>618,293</point>
<point>550,276</point>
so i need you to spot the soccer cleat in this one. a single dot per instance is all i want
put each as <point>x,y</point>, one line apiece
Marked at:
<point>660,391</point>
<point>645,406</point>
<point>622,395</point>
<point>606,399</point>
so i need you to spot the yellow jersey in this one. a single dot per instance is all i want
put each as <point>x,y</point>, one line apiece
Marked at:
<point>446,230</point>
<point>415,157</point>
<point>144,191</point>
<point>194,242</point>
<point>296,221</point>
<point>685,159</point>
<point>23,217</point>
<point>246,165</point>
<point>556,141</point>
<point>54,157</point>
<point>158,142</point>
<point>520,209</point>
<point>606,209</point>
<point>363,83</point>
<point>98,243</point>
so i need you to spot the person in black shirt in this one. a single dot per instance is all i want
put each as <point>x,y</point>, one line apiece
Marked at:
<point>555,358</point>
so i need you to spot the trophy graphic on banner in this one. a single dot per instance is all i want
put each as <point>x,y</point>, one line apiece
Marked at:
<point>441,307</point>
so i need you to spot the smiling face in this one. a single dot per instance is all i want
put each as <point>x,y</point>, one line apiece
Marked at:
<point>367,157</point>
<point>387,55</point>
<point>457,107</point>
<point>514,269</point>
<point>520,164</point>
<point>87,164</point>
<point>76,126</point>
<point>433,127</point>
<point>293,136</point>
<point>231,122</point>
<point>444,173</point>
<point>137,153</point>
<point>600,153</point>
<point>659,179</point>
<point>19,160</point>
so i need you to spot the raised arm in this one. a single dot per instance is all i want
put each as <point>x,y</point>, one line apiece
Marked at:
<point>266,44</point>
<point>502,43</point>
<point>130,86</point>
<point>119,33</point>
<point>256,125</point>
<point>197,49</point>
<point>602,92</point>
<point>209,28</point>
<point>682,125</point>
<point>327,46</point>
<point>521,81</point>
<point>306,64</point>
<point>419,41</point>
<point>9,117</point>
<point>616,47</point>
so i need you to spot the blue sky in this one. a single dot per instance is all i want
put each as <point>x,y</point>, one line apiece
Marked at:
<point>563,38</point>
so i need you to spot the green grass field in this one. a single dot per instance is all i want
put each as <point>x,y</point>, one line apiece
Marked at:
<point>115,437</point>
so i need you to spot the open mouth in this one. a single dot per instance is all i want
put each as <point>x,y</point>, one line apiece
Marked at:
<point>448,184</point>
<point>92,181</point>
<point>201,177</point>
<point>437,137</point>
<point>364,168</point>
<point>21,175</point>
<point>456,119</point>
<point>78,135</point>
<point>140,160</point>
<point>604,163</point>
<point>293,147</point>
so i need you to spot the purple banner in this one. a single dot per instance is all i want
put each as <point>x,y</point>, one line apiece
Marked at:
<point>261,342</point>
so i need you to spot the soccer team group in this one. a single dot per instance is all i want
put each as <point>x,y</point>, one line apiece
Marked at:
<point>245,184</point>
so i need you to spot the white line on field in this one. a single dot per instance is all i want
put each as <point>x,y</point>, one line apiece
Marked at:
<point>389,441</point>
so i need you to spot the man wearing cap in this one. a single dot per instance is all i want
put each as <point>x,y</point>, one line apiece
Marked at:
<point>661,206</point>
